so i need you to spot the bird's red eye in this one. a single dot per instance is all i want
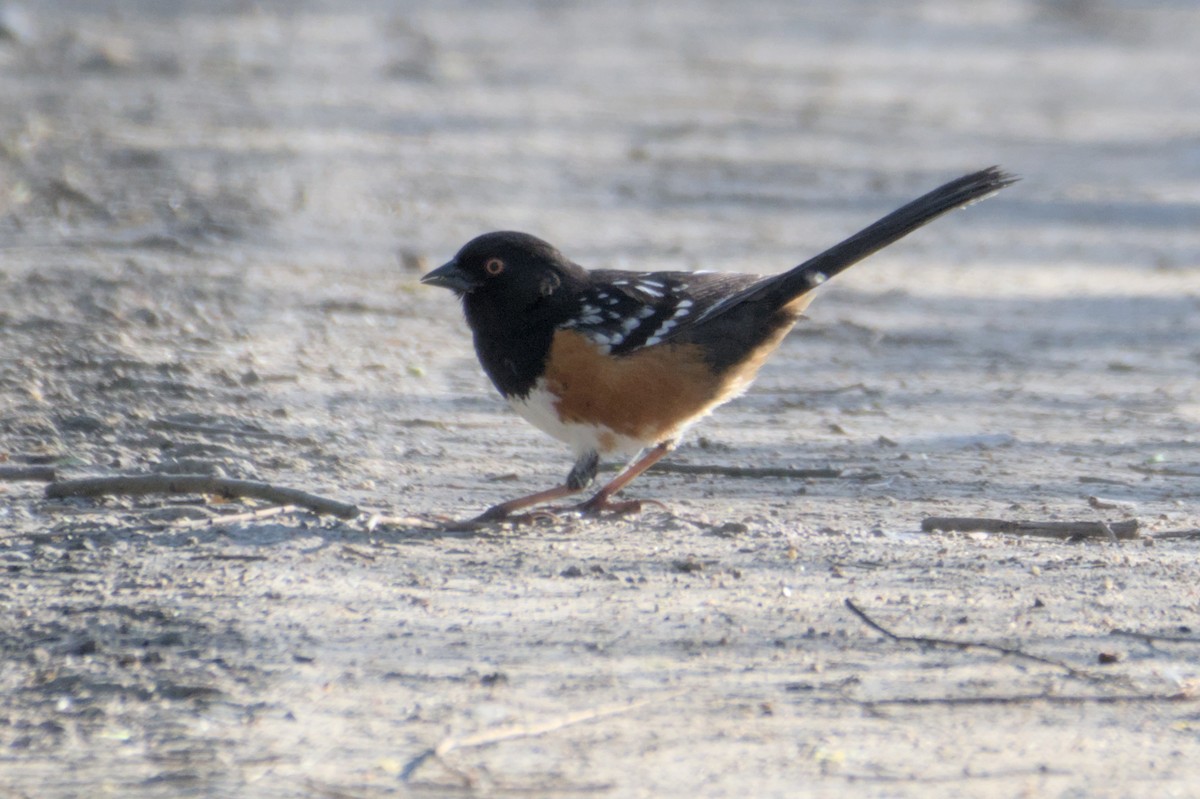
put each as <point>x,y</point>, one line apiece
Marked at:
<point>494,266</point>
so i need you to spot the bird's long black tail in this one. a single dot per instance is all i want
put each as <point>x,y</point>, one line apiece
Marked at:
<point>891,228</point>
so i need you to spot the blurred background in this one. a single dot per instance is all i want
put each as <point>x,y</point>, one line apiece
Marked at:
<point>213,216</point>
<point>241,172</point>
<point>675,132</point>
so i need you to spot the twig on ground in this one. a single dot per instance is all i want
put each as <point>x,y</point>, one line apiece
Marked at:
<point>964,524</point>
<point>1168,534</point>
<point>1102,480</point>
<point>511,732</point>
<point>36,474</point>
<point>754,472</point>
<point>219,430</point>
<point>198,484</point>
<point>1165,471</point>
<point>228,556</point>
<point>377,519</point>
<point>235,518</point>
<point>927,642</point>
<point>958,775</point>
<point>1151,637</point>
<point>1107,503</point>
<point>1017,699</point>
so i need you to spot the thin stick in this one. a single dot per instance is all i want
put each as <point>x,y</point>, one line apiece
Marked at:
<point>377,519</point>
<point>511,732</point>
<point>1168,534</point>
<point>745,471</point>
<point>1102,480</point>
<point>925,641</point>
<point>1165,471</point>
<point>1122,530</point>
<point>36,474</point>
<point>1105,503</point>
<point>218,430</point>
<point>1018,699</point>
<point>235,518</point>
<point>198,484</point>
<point>1152,637</point>
<point>960,775</point>
<point>349,550</point>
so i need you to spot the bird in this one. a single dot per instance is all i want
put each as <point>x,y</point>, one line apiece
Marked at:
<point>623,363</point>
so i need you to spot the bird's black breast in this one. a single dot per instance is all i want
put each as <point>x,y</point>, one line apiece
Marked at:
<point>513,335</point>
<point>513,360</point>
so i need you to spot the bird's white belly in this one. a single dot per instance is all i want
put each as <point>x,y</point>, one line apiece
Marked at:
<point>539,408</point>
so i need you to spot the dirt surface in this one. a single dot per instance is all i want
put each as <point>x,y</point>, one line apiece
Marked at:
<point>214,216</point>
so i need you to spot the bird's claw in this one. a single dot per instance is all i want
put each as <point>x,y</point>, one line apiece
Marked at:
<point>593,508</point>
<point>501,515</point>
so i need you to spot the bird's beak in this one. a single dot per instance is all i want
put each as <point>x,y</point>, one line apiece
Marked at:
<point>449,276</point>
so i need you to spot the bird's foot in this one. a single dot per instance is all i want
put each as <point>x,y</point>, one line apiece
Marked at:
<point>501,514</point>
<point>593,508</point>
<point>600,505</point>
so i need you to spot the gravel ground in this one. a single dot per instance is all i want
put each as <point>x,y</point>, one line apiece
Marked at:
<point>214,216</point>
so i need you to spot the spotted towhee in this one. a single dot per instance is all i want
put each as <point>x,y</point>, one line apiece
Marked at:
<point>624,362</point>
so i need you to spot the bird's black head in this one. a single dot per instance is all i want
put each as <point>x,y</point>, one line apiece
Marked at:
<point>508,276</point>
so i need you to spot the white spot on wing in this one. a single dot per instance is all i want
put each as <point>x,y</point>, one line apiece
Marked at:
<point>681,311</point>
<point>663,329</point>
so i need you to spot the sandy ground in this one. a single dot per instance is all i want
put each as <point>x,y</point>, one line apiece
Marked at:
<point>214,216</point>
